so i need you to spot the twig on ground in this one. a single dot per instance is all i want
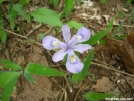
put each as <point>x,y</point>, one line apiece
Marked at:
<point>65,97</point>
<point>35,28</point>
<point>122,25</point>
<point>79,91</point>
<point>19,35</point>
<point>109,67</point>
<point>61,95</point>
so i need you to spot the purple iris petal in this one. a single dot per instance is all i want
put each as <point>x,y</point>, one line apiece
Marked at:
<point>73,41</point>
<point>74,66</point>
<point>66,33</point>
<point>84,33</point>
<point>59,55</point>
<point>62,45</point>
<point>47,43</point>
<point>81,47</point>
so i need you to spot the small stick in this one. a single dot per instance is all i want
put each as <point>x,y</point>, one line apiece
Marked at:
<point>35,28</point>
<point>79,91</point>
<point>104,66</point>
<point>19,35</point>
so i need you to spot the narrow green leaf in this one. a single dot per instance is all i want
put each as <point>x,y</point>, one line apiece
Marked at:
<point>19,9</point>
<point>11,6</point>
<point>13,66</point>
<point>28,76</point>
<point>69,4</point>
<point>7,91</point>
<point>4,78</point>
<point>47,16</point>
<point>54,2</point>
<point>3,36</point>
<point>79,1</point>
<point>97,37</point>
<point>128,3</point>
<point>97,96</point>
<point>1,19</point>
<point>24,2</point>
<point>73,24</point>
<point>80,76</point>
<point>102,42</point>
<point>121,37</point>
<point>110,25</point>
<point>116,31</point>
<point>6,62</point>
<point>11,17</point>
<point>103,1</point>
<point>120,14</point>
<point>42,70</point>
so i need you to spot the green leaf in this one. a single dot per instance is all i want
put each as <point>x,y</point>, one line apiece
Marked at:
<point>13,66</point>
<point>7,91</point>
<point>47,16</point>
<point>97,37</point>
<point>73,24</point>
<point>12,22</point>
<point>24,2</point>
<point>121,37</point>
<point>102,42</point>
<point>116,31</point>
<point>103,1</point>
<point>28,76</point>
<point>6,62</point>
<point>42,70</point>
<point>69,4</point>
<point>32,40</point>
<point>3,36</point>
<point>11,17</point>
<point>4,78</point>
<point>1,1</point>
<point>128,3</point>
<point>54,2</point>
<point>120,14</point>
<point>41,36</point>
<point>110,25</point>
<point>19,9</point>
<point>1,19</point>
<point>96,96</point>
<point>79,1</point>
<point>80,76</point>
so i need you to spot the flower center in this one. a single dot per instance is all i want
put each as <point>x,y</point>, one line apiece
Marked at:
<point>73,59</point>
<point>55,43</point>
<point>79,37</point>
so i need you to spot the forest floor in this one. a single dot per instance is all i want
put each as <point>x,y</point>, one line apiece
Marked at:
<point>112,67</point>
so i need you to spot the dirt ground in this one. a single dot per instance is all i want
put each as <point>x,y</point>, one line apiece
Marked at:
<point>112,67</point>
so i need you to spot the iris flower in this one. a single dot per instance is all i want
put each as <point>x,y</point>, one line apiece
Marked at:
<point>73,64</point>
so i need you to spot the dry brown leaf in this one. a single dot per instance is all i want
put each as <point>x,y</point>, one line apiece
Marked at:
<point>130,39</point>
<point>20,60</point>
<point>122,49</point>
<point>130,81</point>
<point>103,85</point>
<point>37,49</point>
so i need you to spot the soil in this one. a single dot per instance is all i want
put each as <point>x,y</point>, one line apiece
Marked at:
<point>111,68</point>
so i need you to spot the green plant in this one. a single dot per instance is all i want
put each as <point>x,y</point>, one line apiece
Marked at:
<point>8,78</point>
<point>92,96</point>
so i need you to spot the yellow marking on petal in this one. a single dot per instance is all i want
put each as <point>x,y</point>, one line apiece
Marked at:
<point>79,37</point>
<point>55,43</point>
<point>73,59</point>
